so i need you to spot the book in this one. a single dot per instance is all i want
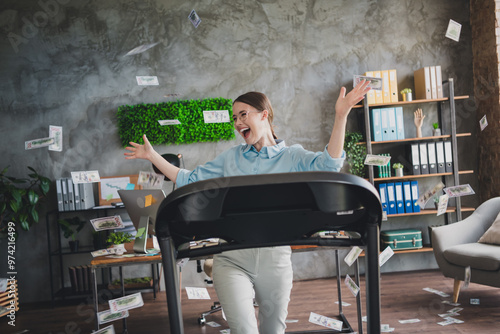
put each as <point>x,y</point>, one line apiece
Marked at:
<point>73,279</point>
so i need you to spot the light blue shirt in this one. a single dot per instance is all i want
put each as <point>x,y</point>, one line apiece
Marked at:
<point>246,160</point>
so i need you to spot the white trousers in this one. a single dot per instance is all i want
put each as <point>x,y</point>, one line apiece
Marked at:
<point>268,272</point>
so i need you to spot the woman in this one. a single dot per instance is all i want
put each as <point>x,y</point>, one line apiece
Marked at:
<point>263,273</point>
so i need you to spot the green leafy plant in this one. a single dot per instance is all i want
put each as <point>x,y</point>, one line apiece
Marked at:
<point>137,120</point>
<point>71,227</point>
<point>117,238</point>
<point>355,153</point>
<point>20,199</point>
<point>435,125</point>
<point>397,165</point>
<point>406,91</point>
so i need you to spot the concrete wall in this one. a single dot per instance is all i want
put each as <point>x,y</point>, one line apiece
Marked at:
<point>62,63</point>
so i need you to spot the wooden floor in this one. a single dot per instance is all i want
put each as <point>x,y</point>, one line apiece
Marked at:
<point>402,298</point>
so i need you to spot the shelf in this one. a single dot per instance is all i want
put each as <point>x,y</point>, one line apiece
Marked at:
<point>412,102</point>
<point>450,209</point>
<point>467,134</point>
<point>411,177</point>
<point>424,249</point>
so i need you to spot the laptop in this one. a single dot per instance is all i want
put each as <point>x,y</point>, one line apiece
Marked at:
<point>142,206</point>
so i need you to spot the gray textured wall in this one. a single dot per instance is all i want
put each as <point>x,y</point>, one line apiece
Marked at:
<point>62,63</point>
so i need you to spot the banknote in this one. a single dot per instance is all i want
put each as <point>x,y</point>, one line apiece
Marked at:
<point>106,316</point>
<point>377,160</point>
<point>458,191</point>
<point>126,303</point>
<point>90,176</point>
<point>375,83</point>
<point>325,321</point>
<point>37,143</point>
<point>56,133</point>
<point>352,255</point>
<point>107,223</point>
<point>351,285</point>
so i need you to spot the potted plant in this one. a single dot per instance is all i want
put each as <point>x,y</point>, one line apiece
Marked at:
<point>117,241</point>
<point>406,93</point>
<point>355,153</point>
<point>436,131</point>
<point>398,168</point>
<point>20,199</point>
<point>71,227</point>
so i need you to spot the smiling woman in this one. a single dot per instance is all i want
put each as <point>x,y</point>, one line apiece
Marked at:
<point>264,272</point>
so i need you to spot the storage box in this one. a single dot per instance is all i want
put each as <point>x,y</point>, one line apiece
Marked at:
<point>401,239</point>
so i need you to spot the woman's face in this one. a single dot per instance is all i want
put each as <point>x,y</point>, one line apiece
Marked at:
<point>249,122</point>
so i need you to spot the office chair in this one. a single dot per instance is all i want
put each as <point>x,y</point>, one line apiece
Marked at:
<point>270,210</point>
<point>174,160</point>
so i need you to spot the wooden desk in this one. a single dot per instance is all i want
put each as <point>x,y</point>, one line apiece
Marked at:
<point>103,262</point>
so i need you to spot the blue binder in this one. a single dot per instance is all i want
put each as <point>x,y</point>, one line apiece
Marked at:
<point>407,197</point>
<point>414,196</point>
<point>384,124</point>
<point>382,189</point>
<point>391,113</point>
<point>391,199</point>
<point>400,202</point>
<point>376,125</point>
<point>400,124</point>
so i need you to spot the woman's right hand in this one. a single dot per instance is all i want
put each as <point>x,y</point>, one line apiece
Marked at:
<point>138,151</point>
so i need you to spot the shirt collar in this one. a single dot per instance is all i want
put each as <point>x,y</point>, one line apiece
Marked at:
<point>270,151</point>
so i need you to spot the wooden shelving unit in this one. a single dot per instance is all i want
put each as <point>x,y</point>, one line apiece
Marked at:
<point>446,116</point>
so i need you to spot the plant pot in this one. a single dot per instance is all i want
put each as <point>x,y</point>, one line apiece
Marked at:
<point>407,97</point>
<point>119,249</point>
<point>399,172</point>
<point>73,245</point>
<point>436,132</point>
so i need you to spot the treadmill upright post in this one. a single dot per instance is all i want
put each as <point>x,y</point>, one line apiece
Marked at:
<point>372,279</point>
<point>171,284</point>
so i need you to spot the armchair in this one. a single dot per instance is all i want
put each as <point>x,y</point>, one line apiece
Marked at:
<point>456,247</point>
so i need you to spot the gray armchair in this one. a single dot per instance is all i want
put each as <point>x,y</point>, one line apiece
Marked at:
<point>456,247</point>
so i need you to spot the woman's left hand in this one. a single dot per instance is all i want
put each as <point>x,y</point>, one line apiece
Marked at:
<point>346,102</point>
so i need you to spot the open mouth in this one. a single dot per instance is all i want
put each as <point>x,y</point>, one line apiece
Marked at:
<point>245,132</point>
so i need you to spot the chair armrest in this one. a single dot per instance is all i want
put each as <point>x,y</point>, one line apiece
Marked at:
<point>468,230</point>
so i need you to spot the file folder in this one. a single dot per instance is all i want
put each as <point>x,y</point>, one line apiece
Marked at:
<point>400,124</point>
<point>391,113</point>
<point>386,92</point>
<point>76,192</point>
<point>382,189</point>
<point>441,168</point>
<point>439,82</point>
<point>86,196</point>
<point>448,157</point>
<point>422,80</point>
<point>433,82</point>
<point>384,123</point>
<point>391,199</point>
<point>415,159</point>
<point>370,96</point>
<point>379,98</point>
<point>393,85</point>
<point>60,201</point>
<point>414,196</point>
<point>431,153</point>
<point>407,197</point>
<point>424,167</point>
<point>376,125</point>
<point>71,196</point>
<point>400,206</point>
<point>64,185</point>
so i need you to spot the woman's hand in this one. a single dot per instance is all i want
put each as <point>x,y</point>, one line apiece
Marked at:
<point>138,151</point>
<point>346,102</point>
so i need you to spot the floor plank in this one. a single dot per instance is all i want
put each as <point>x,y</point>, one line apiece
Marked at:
<point>402,298</point>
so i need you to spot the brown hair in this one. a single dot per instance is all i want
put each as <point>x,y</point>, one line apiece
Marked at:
<point>260,102</point>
